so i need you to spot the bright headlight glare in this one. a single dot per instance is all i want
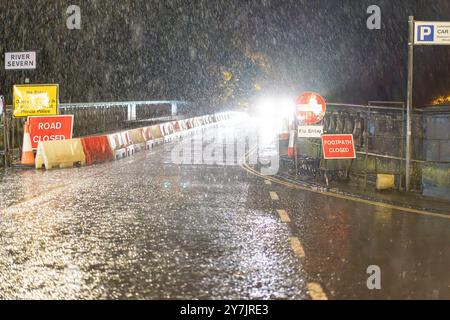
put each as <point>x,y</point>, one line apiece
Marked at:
<point>266,107</point>
<point>287,107</point>
<point>274,107</point>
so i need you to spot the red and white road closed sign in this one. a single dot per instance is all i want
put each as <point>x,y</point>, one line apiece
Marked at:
<point>338,146</point>
<point>50,128</point>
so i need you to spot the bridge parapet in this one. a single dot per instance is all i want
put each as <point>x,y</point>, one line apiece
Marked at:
<point>131,106</point>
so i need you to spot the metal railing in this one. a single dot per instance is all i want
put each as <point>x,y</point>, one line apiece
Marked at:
<point>379,135</point>
<point>130,105</point>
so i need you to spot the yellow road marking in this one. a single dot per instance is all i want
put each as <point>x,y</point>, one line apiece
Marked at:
<point>316,292</point>
<point>268,182</point>
<point>274,196</point>
<point>297,247</point>
<point>284,216</point>
<point>247,168</point>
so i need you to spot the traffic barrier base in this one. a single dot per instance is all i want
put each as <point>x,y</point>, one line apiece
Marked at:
<point>169,138</point>
<point>158,141</point>
<point>140,146</point>
<point>150,144</point>
<point>131,149</point>
<point>120,153</point>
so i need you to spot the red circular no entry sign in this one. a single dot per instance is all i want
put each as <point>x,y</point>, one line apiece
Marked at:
<point>310,108</point>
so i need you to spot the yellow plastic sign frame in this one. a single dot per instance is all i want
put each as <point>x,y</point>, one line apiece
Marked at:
<point>35,100</point>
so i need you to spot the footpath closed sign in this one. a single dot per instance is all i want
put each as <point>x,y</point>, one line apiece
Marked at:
<point>35,100</point>
<point>338,146</point>
<point>432,33</point>
<point>50,128</point>
<point>20,60</point>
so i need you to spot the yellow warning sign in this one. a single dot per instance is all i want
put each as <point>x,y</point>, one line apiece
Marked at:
<point>35,100</point>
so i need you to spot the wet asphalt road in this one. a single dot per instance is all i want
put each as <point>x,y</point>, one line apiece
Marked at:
<point>146,228</point>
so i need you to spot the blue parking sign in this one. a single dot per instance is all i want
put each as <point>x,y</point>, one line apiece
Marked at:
<point>425,33</point>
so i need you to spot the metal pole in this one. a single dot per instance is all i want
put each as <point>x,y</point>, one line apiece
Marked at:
<point>402,149</point>
<point>13,134</point>
<point>131,111</point>
<point>295,125</point>
<point>366,134</point>
<point>409,102</point>
<point>174,109</point>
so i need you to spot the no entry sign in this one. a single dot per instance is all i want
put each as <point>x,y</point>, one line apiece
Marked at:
<point>310,108</point>
<point>50,128</point>
<point>338,146</point>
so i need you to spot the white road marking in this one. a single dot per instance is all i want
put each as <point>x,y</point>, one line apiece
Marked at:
<point>284,216</point>
<point>274,196</point>
<point>316,292</point>
<point>297,247</point>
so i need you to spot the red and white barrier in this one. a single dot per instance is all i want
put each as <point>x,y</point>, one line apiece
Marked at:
<point>122,144</point>
<point>117,145</point>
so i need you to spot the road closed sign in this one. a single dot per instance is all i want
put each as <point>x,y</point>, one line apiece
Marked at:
<point>50,128</point>
<point>338,146</point>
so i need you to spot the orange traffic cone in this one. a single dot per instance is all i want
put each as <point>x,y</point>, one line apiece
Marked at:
<point>27,150</point>
<point>291,144</point>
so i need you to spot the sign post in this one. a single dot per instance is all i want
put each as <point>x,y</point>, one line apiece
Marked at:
<point>420,33</point>
<point>409,102</point>
<point>310,111</point>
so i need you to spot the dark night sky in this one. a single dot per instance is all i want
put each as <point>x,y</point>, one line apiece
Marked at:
<point>180,49</point>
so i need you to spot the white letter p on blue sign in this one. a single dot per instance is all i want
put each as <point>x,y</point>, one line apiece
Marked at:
<point>426,33</point>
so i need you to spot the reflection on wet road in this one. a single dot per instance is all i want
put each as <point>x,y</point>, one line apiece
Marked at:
<point>144,227</point>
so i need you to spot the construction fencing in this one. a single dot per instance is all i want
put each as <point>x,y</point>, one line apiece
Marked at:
<point>379,133</point>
